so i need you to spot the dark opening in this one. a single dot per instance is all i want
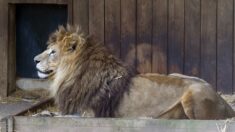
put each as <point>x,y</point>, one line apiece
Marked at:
<point>34,23</point>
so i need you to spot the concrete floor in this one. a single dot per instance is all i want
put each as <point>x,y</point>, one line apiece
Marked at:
<point>7,109</point>
<point>19,101</point>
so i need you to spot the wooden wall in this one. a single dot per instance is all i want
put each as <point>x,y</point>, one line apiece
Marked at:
<point>194,37</point>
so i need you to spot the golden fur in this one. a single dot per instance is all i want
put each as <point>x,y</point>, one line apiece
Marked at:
<point>89,80</point>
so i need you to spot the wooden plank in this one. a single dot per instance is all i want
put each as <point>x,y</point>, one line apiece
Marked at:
<point>3,125</point>
<point>11,108</point>
<point>128,32</point>
<point>12,50</point>
<point>73,124</point>
<point>159,46</point>
<point>10,124</point>
<point>192,37</point>
<point>34,107</point>
<point>234,47</point>
<point>225,46</point>
<point>208,41</point>
<point>112,26</point>
<point>61,2</point>
<point>81,14</point>
<point>144,35</point>
<point>96,19</point>
<point>3,47</point>
<point>176,36</point>
<point>70,12</point>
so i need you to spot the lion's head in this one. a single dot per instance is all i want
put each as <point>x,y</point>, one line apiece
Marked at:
<point>63,43</point>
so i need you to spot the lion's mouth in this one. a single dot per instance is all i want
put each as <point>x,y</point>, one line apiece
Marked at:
<point>44,74</point>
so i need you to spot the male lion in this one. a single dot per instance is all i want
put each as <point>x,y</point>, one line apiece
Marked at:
<point>89,80</point>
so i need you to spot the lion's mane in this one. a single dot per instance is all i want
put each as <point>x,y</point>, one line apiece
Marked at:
<point>91,79</point>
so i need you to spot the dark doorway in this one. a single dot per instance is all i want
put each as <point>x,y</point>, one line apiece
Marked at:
<point>34,23</point>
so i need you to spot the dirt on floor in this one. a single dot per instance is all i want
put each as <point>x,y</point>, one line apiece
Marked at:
<point>49,108</point>
<point>230,99</point>
<point>25,102</point>
<point>28,96</point>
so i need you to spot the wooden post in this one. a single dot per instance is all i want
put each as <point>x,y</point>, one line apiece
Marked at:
<point>3,125</point>
<point>11,75</point>
<point>76,124</point>
<point>3,48</point>
<point>81,14</point>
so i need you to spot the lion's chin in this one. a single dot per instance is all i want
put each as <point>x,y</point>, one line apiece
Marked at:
<point>43,75</point>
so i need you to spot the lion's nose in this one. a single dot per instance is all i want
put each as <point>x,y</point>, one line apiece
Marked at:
<point>36,60</point>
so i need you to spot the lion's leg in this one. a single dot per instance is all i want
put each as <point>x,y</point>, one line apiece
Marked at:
<point>201,102</point>
<point>175,112</point>
<point>187,102</point>
<point>198,103</point>
<point>185,108</point>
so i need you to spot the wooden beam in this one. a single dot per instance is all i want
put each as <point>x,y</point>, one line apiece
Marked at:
<point>192,37</point>
<point>11,49</point>
<point>3,47</point>
<point>208,41</point>
<point>176,36</point>
<point>81,14</point>
<point>128,32</point>
<point>225,46</point>
<point>60,2</point>
<point>96,19</point>
<point>62,124</point>
<point>70,11</point>
<point>144,36</point>
<point>159,47</point>
<point>112,26</point>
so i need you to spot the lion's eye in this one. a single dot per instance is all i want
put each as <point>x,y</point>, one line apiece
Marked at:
<point>52,52</point>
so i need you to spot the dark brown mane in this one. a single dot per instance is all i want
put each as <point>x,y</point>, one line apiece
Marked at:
<point>100,82</point>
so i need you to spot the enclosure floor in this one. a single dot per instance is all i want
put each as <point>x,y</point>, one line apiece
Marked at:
<point>19,101</point>
<point>230,99</point>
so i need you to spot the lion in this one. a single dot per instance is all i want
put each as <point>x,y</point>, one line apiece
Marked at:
<point>89,80</point>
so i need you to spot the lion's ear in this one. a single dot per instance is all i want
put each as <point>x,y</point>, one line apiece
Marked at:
<point>72,46</point>
<point>78,29</point>
<point>61,29</point>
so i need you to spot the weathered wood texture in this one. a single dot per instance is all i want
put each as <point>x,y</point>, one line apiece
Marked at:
<point>38,1</point>
<point>225,46</point>
<point>3,48</point>
<point>81,14</point>
<point>208,41</point>
<point>11,50</point>
<point>27,124</point>
<point>144,36</point>
<point>194,37</point>
<point>176,36</point>
<point>70,11</point>
<point>96,19</point>
<point>3,125</point>
<point>159,40</point>
<point>128,31</point>
<point>112,26</point>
